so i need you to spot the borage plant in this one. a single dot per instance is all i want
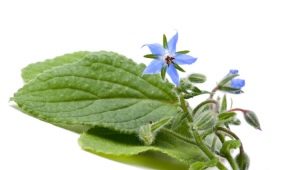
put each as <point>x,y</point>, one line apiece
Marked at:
<point>122,108</point>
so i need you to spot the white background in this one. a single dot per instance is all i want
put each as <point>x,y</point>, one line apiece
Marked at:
<point>260,38</point>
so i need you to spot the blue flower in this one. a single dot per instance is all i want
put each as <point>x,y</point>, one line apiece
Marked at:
<point>236,84</point>
<point>166,59</point>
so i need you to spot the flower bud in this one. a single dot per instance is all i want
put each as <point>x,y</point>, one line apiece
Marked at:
<point>205,120</point>
<point>146,135</point>
<point>197,78</point>
<point>243,161</point>
<point>252,119</point>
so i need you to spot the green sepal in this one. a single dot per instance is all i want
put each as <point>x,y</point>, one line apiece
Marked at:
<point>223,104</point>
<point>165,42</point>
<point>227,79</point>
<point>183,52</point>
<point>150,56</point>
<point>163,72</point>
<point>178,67</point>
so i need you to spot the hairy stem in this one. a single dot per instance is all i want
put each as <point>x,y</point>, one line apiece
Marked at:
<point>232,162</point>
<point>206,150</point>
<point>197,137</point>
<point>204,103</point>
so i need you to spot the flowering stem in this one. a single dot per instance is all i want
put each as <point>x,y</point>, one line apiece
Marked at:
<point>213,92</point>
<point>237,109</point>
<point>206,150</point>
<point>197,137</point>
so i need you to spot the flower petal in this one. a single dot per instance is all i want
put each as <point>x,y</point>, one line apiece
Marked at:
<point>172,44</point>
<point>233,71</point>
<point>156,49</point>
<point>154,67</point>
<point>237,83</point>
<point>184,59</point>
<point>171,70</point>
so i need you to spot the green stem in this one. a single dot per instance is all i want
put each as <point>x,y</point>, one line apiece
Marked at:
<point>197,137</point>
<point>204,103</point>
<point>206,150</point>
<point>232,162</point>
<point>184,108</point>
<point>213,92</point>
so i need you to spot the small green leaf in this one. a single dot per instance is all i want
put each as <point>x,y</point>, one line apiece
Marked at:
<point>156,126</point>
<point>178,67</point>
<point>252,119</point>
<point>228,145</point>
<point>104,141</point>
<point>183,52</point>
<point>165,42</point>
<point>230,90</point>
<point>197,78</point>
<point>32,70</point>
<point>103,89</point>
<point>163,72</point>
<point>203,165</point>
<point>150,56</point>
<point>226,116</point>
<point>243,161</point>
<point>224,104</point>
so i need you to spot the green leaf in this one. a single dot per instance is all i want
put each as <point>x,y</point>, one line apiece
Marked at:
<point>32,70</point>
<point>165,42</point>
<point>103,89</point>
<point>224,104</point>
<point>103,141</point>
<point>150,56</point>
<point>228,145</point>
<point>183,52</point>
<point>252,119</point>
<point>203,165</point>
<point>226,117</point>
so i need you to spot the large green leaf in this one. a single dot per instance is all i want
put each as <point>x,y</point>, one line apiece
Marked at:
<point>103,89</point>
<point>32,70</point>
<point>103,141</point>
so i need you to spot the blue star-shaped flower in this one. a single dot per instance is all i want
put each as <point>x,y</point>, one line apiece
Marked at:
<point>166,59</point>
